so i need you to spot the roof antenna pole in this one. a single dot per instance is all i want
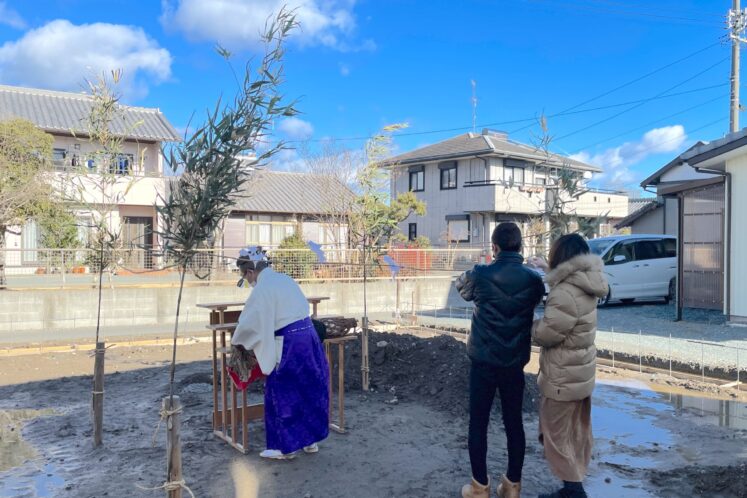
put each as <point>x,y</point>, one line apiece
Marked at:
<point>474,105</point>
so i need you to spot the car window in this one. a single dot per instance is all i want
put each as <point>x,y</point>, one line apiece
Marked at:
<point>649,249</point>
<point>670,248</point>
<point>598,246</point>
<point>621,249</point>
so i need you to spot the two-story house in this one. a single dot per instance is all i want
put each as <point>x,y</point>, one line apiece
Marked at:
<point>64,115</point>
<point>473,181</point>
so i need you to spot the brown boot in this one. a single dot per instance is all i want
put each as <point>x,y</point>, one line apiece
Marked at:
<point>476,490</point>
<point>508,489</point>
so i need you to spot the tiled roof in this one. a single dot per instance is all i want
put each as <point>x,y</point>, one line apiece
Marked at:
<point>487,143</point>
<point>298,193</point>
<point>639,208</point>
<point>63,112</point>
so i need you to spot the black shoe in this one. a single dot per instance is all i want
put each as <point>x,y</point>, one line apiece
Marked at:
<point>565,493</point>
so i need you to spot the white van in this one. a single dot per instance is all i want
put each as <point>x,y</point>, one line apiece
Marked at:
<point>638,266</point>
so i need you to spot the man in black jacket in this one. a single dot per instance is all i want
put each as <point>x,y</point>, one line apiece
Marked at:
<point>505,294</point>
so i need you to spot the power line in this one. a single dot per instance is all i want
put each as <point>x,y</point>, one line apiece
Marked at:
<point>641,103</point>
<point>658,120</point>
<point>627,11</point>
<point>648,7</point>
<point>533,119</point>
<point>649,99</point>
<point>634,80</point>
<point>659,144</point>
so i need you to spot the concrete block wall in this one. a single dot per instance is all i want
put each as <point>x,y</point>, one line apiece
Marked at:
<point>121,307</point>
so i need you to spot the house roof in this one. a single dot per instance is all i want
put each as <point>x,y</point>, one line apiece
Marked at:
<point>483,144</point>
<point>293,193</point>
<point>703,151</point>
<point>655,178</point>
<point>66,112</point>
<point>643,209</point>
<point>676,188</point>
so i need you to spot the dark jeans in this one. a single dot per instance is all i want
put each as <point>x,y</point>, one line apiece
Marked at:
<point>484,380</point>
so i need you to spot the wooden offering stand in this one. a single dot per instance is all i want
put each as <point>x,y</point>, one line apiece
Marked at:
<point>231,417</point>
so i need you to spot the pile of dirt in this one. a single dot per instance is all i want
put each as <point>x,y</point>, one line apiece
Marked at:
<point>434,371</point>
<point>711,481</point>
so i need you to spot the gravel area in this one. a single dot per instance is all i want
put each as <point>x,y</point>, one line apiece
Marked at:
<point>702,338</point>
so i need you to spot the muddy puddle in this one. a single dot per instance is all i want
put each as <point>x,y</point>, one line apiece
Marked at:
<point>716,411</point>
<point>23,473</point>
<point>637,428</point>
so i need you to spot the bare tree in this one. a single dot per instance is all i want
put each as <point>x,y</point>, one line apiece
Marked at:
<point>558,199</point>
<point>336,167</point>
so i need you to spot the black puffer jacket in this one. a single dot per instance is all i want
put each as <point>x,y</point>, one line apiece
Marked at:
<point>505,294</point>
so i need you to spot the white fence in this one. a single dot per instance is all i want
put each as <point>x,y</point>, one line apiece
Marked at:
<point>60,267</point>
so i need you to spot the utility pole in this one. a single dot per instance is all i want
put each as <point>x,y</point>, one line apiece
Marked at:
<point>737,21</point>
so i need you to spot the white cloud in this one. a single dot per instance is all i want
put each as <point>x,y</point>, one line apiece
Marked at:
<point>59,55</point>
<point>287,160</point>
<point>344,70</point>
<point>296,129</point>
<point>238,23</point>
<point>616,161</point>
<point>10,17</point>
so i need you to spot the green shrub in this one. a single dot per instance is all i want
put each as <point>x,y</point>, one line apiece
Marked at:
<point>294,258</point>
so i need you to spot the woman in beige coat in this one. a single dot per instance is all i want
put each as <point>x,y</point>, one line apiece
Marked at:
<point>566,334</point>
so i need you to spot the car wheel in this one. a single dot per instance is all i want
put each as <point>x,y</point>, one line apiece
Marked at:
<point>604,301</point>
<point>627,301</point>
<point>672,292</point>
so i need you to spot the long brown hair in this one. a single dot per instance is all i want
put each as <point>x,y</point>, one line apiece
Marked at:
<point>567,247</point>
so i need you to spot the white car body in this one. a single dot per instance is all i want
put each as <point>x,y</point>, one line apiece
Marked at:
<point>638,266</point>
<point>541,273</point>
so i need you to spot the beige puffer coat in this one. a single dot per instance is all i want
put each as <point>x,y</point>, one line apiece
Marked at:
<point>567,331</point>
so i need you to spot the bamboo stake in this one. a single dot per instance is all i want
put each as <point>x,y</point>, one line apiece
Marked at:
<point>98,394</point>
<point>172,408</point>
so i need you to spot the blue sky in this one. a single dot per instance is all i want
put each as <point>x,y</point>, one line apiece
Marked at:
<point>358,65</point>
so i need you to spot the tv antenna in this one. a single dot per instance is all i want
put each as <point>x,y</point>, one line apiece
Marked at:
<point>474,105</point>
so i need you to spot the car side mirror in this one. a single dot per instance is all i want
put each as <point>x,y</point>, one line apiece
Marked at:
<point>619,258</point>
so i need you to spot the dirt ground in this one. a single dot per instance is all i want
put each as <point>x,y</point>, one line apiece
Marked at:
<point>408,438</point>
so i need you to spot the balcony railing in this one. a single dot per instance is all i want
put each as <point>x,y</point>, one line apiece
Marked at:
<point>87,167</point>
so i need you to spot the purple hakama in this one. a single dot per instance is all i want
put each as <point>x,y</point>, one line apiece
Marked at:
<point>297,391</point>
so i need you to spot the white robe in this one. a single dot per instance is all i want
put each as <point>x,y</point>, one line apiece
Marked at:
<point>276,301</point>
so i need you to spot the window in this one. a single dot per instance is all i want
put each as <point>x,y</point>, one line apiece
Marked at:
<point>85,226</point>
<point>670,248</point>
<point>478,170</point>
<point>448,175</point>
<point>412,231</point>
<point>122,164</point>
<point>540,180</point>
<point>58,159</point>
<point>417,179</point>
<point>649,249</point>
<point>457,228</point>
<point>513,175</point>
<point>598,246</point>
<point>270,230</point>
<point>624,249</point>
<point>30,242</point>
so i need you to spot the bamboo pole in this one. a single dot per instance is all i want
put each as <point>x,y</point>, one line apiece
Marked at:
<point>98,394</point>
<point>171,408</point>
